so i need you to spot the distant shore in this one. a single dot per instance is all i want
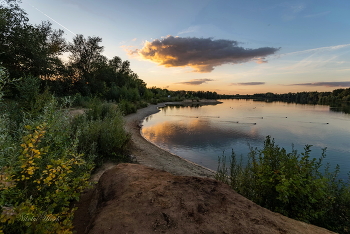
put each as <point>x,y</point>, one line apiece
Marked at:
<point>148,154</point>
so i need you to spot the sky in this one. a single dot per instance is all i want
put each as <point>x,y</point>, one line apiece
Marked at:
<point>226,46</point>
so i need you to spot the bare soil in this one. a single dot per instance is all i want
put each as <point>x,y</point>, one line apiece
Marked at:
<point>132,198</point>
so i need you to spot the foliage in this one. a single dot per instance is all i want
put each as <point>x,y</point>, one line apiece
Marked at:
<point>46,160</point>
<point>85,53</point>
<point>92,74</point>
<point>127,107</point>
<point>46,155</point>
<point>291,184</point>
<point>102,132</point>
<point>41,171</point>
<point>31,51</point>
<point>37,190</point>
<point>25,48</point>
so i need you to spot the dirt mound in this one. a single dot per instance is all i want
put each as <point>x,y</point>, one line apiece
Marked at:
<point>131,198</point>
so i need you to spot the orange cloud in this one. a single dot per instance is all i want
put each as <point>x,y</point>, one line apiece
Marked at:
<point>202,54</point>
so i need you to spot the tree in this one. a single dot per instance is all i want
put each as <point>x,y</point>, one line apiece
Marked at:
<point>85,54</point>
<point>115,63</point>
<point>25,48</point>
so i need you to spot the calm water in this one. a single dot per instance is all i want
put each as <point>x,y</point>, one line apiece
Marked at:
<point>201,134</point>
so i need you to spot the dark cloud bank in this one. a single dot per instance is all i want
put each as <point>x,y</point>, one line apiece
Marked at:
<point>249,83</point>
<point>327,84</point>
<point>202,54</point>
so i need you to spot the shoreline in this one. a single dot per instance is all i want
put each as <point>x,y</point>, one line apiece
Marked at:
<point>148,154</point>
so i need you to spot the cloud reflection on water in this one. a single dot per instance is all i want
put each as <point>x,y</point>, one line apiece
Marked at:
<point>199,133</point>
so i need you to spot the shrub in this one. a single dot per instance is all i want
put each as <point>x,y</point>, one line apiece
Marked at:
<point>41,170</point>
<point>102,132</point>
<point>41,176</point>
<point>81,101</point>
<point>127,107</point>
<point>291,184</point>
<point>46,156</point>
<point>28,88</point>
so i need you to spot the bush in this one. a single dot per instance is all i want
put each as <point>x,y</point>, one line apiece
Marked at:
<point>102,132</point>
<point>291,184</point>
<point>81,101</point>
<point>41,174</point>
<point>41,170</point>
<point>46,156</point>
<point>127,107</point>
<point>28,88</point>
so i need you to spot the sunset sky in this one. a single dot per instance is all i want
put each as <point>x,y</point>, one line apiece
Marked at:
<point>227,46</point>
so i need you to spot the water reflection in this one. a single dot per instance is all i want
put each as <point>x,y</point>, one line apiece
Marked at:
<point>198,133</point>
<point>343,107</point>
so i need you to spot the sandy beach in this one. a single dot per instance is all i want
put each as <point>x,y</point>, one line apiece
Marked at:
<point>150,155</point>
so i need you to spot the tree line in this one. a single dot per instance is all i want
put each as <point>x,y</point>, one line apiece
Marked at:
<point>337,95</point>
<point>29,50</point>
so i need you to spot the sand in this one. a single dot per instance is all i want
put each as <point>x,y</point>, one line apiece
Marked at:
<point>150,155</point>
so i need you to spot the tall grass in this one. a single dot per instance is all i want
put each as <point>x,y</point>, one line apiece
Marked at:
<point>292,184</point>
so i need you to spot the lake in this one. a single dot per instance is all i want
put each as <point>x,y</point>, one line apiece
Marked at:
<point>201,134</point>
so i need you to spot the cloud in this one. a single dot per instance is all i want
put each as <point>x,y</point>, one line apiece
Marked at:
<point>260,60</point>
<point>195,81</point>
<point>249,83</point>
<point>201,54</point>
<point>327,84</point>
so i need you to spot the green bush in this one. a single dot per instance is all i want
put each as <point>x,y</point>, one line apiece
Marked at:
<point>98,109</point>
<point>102,132</point>
<point>41,172</point>
<point>81,101</point>
<point>127,107</point>
<point>46,158</point>
<point>142,104</point>
<point>291,184</point>
<point>28,88</point>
